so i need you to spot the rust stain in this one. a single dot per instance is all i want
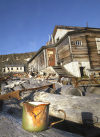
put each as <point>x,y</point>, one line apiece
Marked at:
<point>37,113</point>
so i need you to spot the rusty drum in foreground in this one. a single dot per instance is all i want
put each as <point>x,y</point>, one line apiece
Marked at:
<point>35,116</point>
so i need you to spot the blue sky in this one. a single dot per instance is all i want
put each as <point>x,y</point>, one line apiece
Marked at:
<point>26,24</point>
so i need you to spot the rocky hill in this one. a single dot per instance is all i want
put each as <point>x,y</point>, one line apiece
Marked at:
<point>9,59</point>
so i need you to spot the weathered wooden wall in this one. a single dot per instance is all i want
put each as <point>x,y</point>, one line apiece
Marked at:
<point>79,52</point>
<point>85,52</point>
<point>68,51</point>
<point>38,63</point>
<point>84,55</point>
<point>63,51</point>
<point>76,53</point>
<point>92,49</point>
<point>41,61</point>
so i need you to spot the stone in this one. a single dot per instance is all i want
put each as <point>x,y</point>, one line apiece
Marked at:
<point>70,90</point>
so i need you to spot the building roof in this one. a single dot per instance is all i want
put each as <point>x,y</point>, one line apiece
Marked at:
<point>96,30</point>
<point>70,28</point>
<point>14,65</point>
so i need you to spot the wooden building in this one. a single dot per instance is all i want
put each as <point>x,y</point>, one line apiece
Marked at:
<point>77,49</point>
<point>45,57</point>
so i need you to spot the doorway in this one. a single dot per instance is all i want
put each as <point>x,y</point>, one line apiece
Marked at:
<point>82,71</point>
<point>51,56</point>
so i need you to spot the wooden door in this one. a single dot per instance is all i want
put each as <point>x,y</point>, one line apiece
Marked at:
<point>51,56</point>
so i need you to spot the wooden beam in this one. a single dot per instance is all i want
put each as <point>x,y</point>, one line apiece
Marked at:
<point>17,95</point>
<point>77,109</point>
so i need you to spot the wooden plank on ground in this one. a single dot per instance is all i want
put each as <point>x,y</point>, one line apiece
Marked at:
<point>76,108</point>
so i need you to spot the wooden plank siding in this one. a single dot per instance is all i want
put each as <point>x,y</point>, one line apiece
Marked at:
<point>87,52</point>
<point>79,52</point>
<point>38,62</point>
<point>63,51</point>
<point>92,49</point>
<point>41,61</point>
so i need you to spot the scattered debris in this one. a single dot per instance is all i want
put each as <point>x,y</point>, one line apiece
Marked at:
<point>17,94</point>
<point>65,95</point>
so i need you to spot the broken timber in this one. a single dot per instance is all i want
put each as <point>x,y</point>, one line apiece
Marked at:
<point>86,82</point>
<point>77,109</point>
<point>17,94</point>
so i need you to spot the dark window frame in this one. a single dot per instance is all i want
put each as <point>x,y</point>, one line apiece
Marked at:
<point>78,43</point>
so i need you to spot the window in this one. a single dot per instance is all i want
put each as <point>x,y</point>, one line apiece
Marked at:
<point>17,68</point>
<point>21,68</point>
<point>8,68</point>
<point>82,71</point>
<point>98,45</point>
<point>78,43</point>
<point>11,68</point>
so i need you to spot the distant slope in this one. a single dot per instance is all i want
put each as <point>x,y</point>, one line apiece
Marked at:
<point>21,58</point>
